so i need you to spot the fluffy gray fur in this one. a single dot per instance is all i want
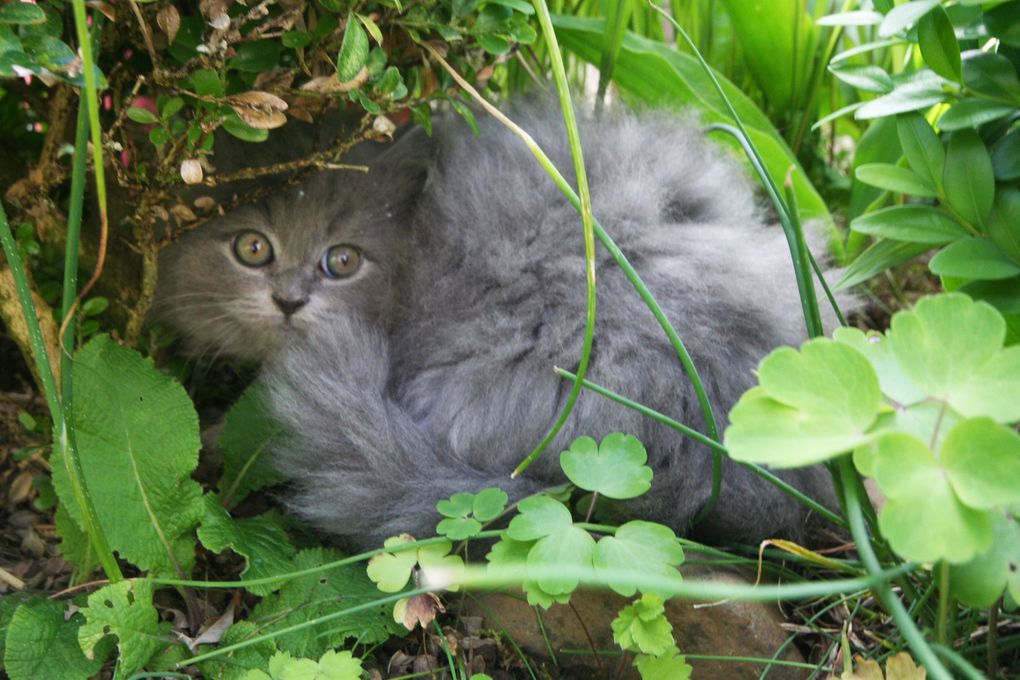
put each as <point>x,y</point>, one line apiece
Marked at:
<point>429,372</point>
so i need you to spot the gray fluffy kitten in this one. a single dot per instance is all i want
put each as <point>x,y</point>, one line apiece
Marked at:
<point>411,318</point>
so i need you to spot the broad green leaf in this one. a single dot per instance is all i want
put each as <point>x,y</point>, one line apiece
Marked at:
<point>256,56</point>
<point>991,74</point>
<point>982,459</point>
<point>651,546</point>
<point>568,546</point>
<point>465,512</point>
<point>894,178</point>
<point>493,44</point>
<point>138,441</point>
<point>457,505</point>
<point>489,504</point>
<point>125,610</point>
<point>939,48</point>
<point>1004,295</point>
<point>326,592</point>
<point>248,433</point>
<point>974,258</point>
<point>864,77</point>
<point>923,519</point>
<point>642,626</point>
<point>1004,222</point>
<point>392,571</point>
<point>922,147</point>
<point>973,112</point>
<point>876,349</point>
<point>669,665</point>
<point>296,39</point>
<point>49,52</point>
<point>1004,23</point>
<point>810,406</point>
<point>951,348</point>
<point>980,582</point>
<point>207,83</point>
<point>919,93</point>
<point>615,468</point>
<point>458,528</point>
<point>353,51</point>
<point>261,540</point>
<point>878,144</point>
<point>913,223</point>
<point>1006,156</point>
<point>905,15</point>
<point>782,38</point>
<point>658,74</point>
<point>21,13</point>
<point>332,666</point>
<point>41,641</point>
<point>969,178</point>
<point>241,663</point>
<point>539,516</point>
<point>238,128</point>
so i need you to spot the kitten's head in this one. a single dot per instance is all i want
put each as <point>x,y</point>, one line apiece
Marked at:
<point>332,245</point>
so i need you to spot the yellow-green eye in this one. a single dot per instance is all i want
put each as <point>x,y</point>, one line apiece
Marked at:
<point>341,261</point>
<point>253,249</point>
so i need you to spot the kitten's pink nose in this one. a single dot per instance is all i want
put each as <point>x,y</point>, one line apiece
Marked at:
<point>288,307</point>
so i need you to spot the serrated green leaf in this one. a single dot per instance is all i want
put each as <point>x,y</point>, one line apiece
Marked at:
<point>980,582</point>
<point>642,627</point>
<point>244,663</point>
<point>969,178</point>
<point>810,406</point>
<point>894,178</point>
<point>539,516</point>
<point>864,77</point>
<point>939,48</point>
<point>308,597</point>
<point>922,147</point>
<point>974,258</point>
<point>905,15</point>
<point>140,115</point>
<point>669,665</point>
<point>614,468</point>
<point>138,442</point>
<point>913,223</point>
<point>332,665</point>
<point>261,540</point>
<point>125,610</point>
<point>353,51</point>
<point>392,571</point>
<point>41,643</point>
<point>248,434</point>
<point>973,112</point>
<point>21,13</point>
<point>652,546</point>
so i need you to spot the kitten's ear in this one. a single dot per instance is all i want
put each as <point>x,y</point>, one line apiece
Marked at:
<point>404,164</point>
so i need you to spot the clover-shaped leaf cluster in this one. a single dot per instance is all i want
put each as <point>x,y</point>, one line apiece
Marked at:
<point>392,570</point>
<point>466,513</point>
<point>927,409</point>
<point>555,553</point>
<point>332,665</point>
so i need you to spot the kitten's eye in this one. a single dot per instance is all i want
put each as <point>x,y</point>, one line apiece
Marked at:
<point>341,261</point>
<point>253,249</point>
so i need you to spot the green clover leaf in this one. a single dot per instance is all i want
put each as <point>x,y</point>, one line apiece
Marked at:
<point>466,512</point>
<point>980,582</point>
<point>982,461</point>
<point>810,406</point>
<point>951,348</point>
<point>876,348</point>
<point>642,627</point>
<point>615,468</point>
<point>924,519</point>
<point>539,516</point>
<point>391,571</point>
<point>670,665</point>
<point>653,548</point>
<point>489,504</point>
<point>509,554</point>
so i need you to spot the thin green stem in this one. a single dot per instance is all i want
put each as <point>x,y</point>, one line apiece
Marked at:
<point>621,261</point>
<point>914,638</point>
<point>74,212</point>
<point>711,443</point>
<point>574,139</point>
<point>944,598</point>
<point>964,666</point>
<point>61,438</point>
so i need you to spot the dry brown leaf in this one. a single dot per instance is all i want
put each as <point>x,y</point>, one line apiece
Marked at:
<point>183,213</point>
<point>259,109</point>
<point>275,79</point>
<point>355,82</point>
<point>191,171</point>
<point>420,609</point>
<point>323,84</point>
<point>169,21</point>
<point>106,8</point>
<point>384,127</point>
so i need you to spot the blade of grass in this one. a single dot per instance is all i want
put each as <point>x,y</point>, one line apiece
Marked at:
<point>616,25</point>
